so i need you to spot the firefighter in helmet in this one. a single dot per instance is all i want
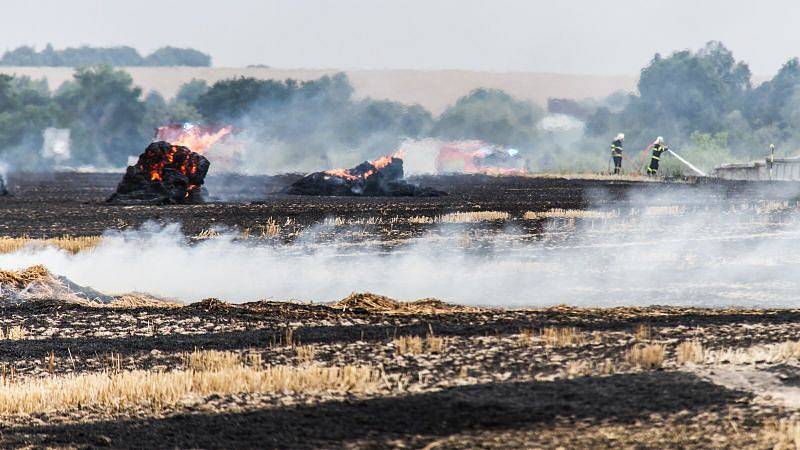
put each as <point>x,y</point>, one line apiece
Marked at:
<point>616,152</point>
<point>658,148</point>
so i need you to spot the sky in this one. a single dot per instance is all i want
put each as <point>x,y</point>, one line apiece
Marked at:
<point>610,37</point>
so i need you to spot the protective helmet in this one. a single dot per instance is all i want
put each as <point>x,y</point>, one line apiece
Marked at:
<point>620,137</point>
<point>659,140</point>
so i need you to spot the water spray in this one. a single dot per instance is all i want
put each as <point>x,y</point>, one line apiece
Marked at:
<point>690,165</point>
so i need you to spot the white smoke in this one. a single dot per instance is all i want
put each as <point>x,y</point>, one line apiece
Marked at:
<point>682,255</point>
<point>419,156</point>
<point>56,144</point>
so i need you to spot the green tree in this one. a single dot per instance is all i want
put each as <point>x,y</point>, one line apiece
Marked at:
<point>191,91</point>
<point>172,56</point>
<point>768,102</point>
<point>25,109</point>
<point>160,112</point>
<point>693,90</point>
<point>490,115</point>
<point>102,108</point>
<point>231,99</point>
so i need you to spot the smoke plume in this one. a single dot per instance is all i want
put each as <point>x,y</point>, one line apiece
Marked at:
<point>686,254</point>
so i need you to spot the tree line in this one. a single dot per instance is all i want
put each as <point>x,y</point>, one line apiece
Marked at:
<point>314,121</point>
<point>704,103</point>
<point>26,56</point>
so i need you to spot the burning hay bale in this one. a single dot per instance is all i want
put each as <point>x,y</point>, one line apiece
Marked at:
<point>164,174</point>
<point>380,178</point>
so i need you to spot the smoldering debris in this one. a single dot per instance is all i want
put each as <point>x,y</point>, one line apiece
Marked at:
<point>164,174</point>
<point>379,178</point>
<point>37,283</point>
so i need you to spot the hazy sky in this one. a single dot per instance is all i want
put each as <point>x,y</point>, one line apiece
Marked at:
<point>570,36</point>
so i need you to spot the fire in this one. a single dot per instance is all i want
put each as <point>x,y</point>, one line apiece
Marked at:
<point>198,138</point>
<point>353,174</point>
<point>177,158</point>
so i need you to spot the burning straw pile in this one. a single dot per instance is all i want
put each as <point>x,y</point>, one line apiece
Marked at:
<point>37,283</point>
<point>164,174</point>
<point>380,178</point>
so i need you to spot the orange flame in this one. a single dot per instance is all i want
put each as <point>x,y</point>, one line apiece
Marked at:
<point>188,166</point>
<point>197,138</point>
<point>379,163</point>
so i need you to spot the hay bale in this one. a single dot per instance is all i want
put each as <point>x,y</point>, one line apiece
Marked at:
<point>368,302</point>
<point>373,303</point>
<point>140,300</point>
<point>21,279</point>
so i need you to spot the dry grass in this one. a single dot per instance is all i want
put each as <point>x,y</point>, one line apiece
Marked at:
<point>208,234</point>
<point>770,353</point>
<point>68,243</point>
<point>372,220</point>
<point>782,435</point>
<point>416,345</point>
<point>474,216</point>
<point>408,345</point>
<point>116,391</point>
<point>271,228</point>
<point>13,333</point>
<point>421,219</point>
<point>562,337</point>
<point>642,332</point>
<point>582,368</point>
<point>690,352</point>
<point>553,337</point>
<point>209,360</point>
<point>650,356</point>
<point>305,353</point>
<point>559,213</point>
<point>435,344</point>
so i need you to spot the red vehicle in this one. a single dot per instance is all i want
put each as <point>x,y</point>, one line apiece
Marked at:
<point>477,157</point>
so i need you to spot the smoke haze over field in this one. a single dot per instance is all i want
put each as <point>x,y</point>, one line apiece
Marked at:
<point>571,36</point>
<point>686,254</point>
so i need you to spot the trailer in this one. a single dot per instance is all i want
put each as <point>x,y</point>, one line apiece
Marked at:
<point>780,169</point>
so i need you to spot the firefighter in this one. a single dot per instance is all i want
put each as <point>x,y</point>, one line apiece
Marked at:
<point>616,152</point>
<point>658,148</point>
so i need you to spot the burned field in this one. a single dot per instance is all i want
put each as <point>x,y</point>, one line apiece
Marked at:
<point>365,371</point>
<point>408,376</point>
<point>54,205</point>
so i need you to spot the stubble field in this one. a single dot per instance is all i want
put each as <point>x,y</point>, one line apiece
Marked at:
<point>515,370</point>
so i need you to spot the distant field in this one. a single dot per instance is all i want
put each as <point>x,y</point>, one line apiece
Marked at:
<point>432,89</point>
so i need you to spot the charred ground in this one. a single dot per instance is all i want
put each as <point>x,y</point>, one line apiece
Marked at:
<point>491,385</point>
<point>49,205</point>
<point>556,377</point>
